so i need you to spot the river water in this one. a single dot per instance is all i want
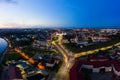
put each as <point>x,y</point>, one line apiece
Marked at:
<point>3,45</point>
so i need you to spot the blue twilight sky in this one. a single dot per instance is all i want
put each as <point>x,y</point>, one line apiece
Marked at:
<point>59,13</point>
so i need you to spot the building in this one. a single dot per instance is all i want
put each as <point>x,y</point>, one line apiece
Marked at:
<point>42,43</point>
<point>14,73</point>
<point>22,39</point>
<point>96,66</point>
<point>115,55</point>
<point>50,62</point>
<point>99,39</point>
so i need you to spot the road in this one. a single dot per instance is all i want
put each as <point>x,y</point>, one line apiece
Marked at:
<point>69,58</point>
<point>63,73</point>
<point>68,61</point>
<point>31,60</point>
<point>93,51</point>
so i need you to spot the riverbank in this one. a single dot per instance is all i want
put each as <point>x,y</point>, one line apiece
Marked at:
<point>4,52</point>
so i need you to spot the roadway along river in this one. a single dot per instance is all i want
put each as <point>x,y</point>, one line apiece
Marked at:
<point>3,45</point>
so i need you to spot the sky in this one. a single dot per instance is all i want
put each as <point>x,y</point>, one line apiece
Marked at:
<point>59,13</point>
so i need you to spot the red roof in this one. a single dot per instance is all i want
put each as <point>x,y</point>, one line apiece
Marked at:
<point>100,58</point>
<point>76,74</point>
<point>14,73</point>
<point>97,64</point>
<point>116,65</point>
<point>80,76</point>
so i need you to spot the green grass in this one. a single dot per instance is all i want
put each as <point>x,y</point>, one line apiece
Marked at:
<point>76,49</point>
<point>30,51</point>
<point>57,66</point>
<point>11,56</point>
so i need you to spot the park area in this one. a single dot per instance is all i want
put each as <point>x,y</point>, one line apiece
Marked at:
<point>76,49</point>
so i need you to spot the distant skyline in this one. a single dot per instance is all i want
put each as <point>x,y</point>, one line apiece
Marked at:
<point>59,13</point>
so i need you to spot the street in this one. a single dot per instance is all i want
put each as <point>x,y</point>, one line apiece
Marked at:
<point>69,58</point>
<point>63,73</point>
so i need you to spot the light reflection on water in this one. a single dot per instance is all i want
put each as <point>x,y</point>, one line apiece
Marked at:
<point>3,45</point>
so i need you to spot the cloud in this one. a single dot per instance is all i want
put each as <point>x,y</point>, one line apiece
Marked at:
<point>8,1</point>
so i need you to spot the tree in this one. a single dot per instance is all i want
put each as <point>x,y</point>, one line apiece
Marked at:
<point>90,40</point>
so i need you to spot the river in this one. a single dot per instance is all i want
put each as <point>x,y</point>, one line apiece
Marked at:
<point>3,45</point>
